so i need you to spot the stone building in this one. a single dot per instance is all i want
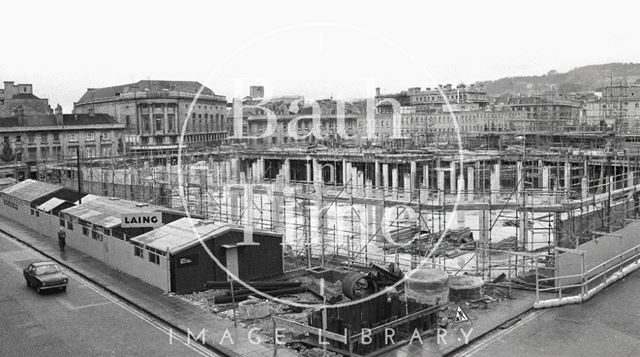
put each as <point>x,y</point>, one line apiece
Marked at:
<point>330,134</point>
<point>549,114</point>
<point>29,140</point>
<point>14,97</point>
<point>155,113</point>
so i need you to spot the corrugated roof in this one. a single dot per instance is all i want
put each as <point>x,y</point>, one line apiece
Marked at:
<point>141,86</point>
<point>30,190</point>
<point>181,234</point>
<point>107,212</point>
<point>51,204</point>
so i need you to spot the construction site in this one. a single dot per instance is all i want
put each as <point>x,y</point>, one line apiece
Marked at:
<point>556,223</point>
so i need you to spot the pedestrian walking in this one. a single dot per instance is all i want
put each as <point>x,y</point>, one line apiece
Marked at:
<point>62,239</point>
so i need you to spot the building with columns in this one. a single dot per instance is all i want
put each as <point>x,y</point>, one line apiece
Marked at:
<point>156,113</point>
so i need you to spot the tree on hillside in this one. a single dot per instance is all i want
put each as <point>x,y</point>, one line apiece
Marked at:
<point>7,152</point>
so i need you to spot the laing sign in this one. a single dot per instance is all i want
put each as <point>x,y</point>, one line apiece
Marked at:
<point>141,220</point>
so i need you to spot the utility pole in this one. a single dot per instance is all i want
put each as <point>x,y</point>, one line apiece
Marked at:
<point>79,174</point>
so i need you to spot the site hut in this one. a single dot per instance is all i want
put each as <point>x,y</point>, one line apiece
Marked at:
<point>23,203</point>
<point>103,228</point>
<point>253,256</point>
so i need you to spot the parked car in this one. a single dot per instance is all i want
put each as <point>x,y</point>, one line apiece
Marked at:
<point>45,275</point>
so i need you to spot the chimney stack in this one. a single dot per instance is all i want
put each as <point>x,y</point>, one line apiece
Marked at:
<point>377,91</point>
<point>58,114</point>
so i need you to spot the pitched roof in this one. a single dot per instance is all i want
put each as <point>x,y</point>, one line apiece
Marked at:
<point>141,86</point>
<point>30,190</point>
<point>50,120</point>
<point>88,119</point>
<point>107,212</point>
<point>181,234</point>
<point>24,96</point>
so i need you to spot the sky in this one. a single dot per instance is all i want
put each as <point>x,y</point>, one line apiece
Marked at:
<point>319,49</point>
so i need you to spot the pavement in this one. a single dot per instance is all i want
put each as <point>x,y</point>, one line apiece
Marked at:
<point>219,334</point>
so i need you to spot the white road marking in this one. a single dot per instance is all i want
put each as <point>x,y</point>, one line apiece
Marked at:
<point>482,345</point>
<point>76,308</point>
<point>172,335</point>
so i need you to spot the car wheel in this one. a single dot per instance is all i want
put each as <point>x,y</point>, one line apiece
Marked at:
<point>38,290</point>
<point>63,288</point>
<point>28,283</point>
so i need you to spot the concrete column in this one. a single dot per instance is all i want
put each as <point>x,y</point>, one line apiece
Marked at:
<point>567,176</point>
<point>520,177</point>
<point>308,176</point>
<point>440,180</point>
<point>377,179</point>
<point>407,182</point>
<point>235,170</point>
<point>260,170</point>
<point>286,171</point>
<point>470,183</point>
<point>425,176</point>
<point>585,187</point>
<point>394,178</point>
<point>461,184</point>
<point>317,173</point>
<point>495,183</point>
<point>452,178</point>
<point>545,179</point>
<point>379,218</point>
<point>414,176</point>
<point>234,206</point>
<point>385,175</point>
<point>630,178</point>
<point>360,181</point>
<point>227,172</point>
<point>345,176</point>
<point>348,173</point>
<point>253,172</point>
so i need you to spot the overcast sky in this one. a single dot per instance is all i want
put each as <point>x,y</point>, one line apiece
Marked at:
<point>317,49</point>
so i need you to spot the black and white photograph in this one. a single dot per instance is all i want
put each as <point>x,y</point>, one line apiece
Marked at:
<point>319,178</point>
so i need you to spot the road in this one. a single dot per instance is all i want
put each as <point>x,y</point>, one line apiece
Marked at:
<point>606,325</point>
<point>83,321</point>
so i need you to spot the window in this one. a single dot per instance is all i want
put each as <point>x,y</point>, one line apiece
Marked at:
<point>62,222</point>
<point>89,136</point>
<point>18,139</point>
<point>171,122</point>
<point>56,137</point>
<point>69,225</point>
<point>31,138</point>
<point>105,136</point>
<point>85,231</point>
<point>127,120</point>
<point>146,123</point>
<point>154,258</point>
<point>73,137</point>
<point>137,251</point>
<point>158,119</point>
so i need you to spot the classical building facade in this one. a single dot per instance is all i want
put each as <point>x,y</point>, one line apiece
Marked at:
<point>156,113</point>
<point>29,140</point>
<point>549,114</point>
<point>20,97</point>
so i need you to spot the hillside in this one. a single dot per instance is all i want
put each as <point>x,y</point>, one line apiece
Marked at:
<point>587,78</point>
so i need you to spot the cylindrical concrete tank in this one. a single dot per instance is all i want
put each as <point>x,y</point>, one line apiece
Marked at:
<point>428,286</point>
<point>464,287</point>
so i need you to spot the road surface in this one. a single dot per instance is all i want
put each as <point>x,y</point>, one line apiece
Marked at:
<point>606,325</point>
<point>83,321</point>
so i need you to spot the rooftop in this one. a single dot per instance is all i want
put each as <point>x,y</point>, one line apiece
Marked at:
<point>93,94</point>
<point>107,212</point>
<point>30,190</point>
<point>50,120</point>
<point>181,234</point>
